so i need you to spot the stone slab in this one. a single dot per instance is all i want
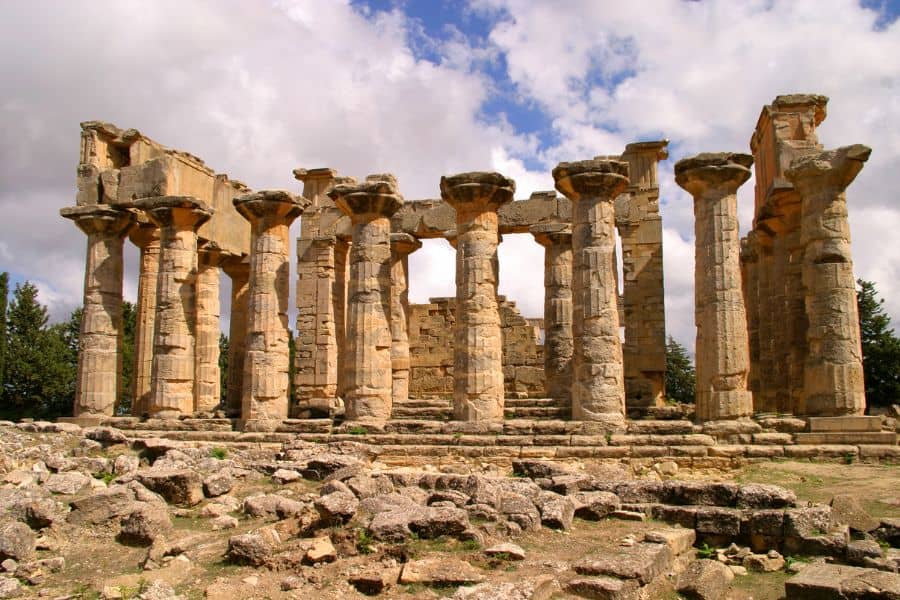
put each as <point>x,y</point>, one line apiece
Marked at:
<point>854,437</point>
<point>838,582</point>
<point>850,423</point>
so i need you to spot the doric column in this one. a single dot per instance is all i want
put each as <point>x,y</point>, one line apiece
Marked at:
<point>146,237</point>
<point>556,238</point>
<point>478,391</point>
<point>99,380</point>
<point>764,400</point>
<point>722,349</point>
<point>833,377</point>
<point>238,270</point>
<point>207,374</point>
<point>368,363</point>
<point>172,385</point>
<point>265,395</point>
<point>750,279</point>
<point>598,382</point>
<point>402,245</point>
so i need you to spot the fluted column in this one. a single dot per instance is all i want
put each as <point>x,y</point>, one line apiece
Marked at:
<point>478,390</point>
<point>750,279</point>
<point>99,380</point>
<point>207,384</point>
<point>598,382</point>
<point>368,395</point>
<point>265,394</point>
<point>723,360</point>
<point>402,245</point>
<point>146,237</point>
<point>556,238</point>
<point>172,385</point>
<point>833,376</point>
<point>238,270</point>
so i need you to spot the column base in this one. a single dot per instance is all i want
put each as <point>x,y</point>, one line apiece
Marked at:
<point>260,425</point>
<point>724,405</point>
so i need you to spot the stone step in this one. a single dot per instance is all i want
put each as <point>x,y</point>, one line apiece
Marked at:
<point>833,581</point>
<point>662,413</point>
<point>852,437</point>
<point>844,424</point>
<point>532,402</point>
<point>660,426</point>
<point>535,412</point>
<point>423,403</point>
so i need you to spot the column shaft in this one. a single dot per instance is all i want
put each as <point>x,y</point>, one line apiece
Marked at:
<point>402,245</point>
<point>208,384</point>
<point>145,237</point>
<point>238,270</point>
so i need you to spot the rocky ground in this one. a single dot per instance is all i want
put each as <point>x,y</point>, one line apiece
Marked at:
<point>88,513</point>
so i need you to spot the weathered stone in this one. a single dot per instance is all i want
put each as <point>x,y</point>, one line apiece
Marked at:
<point>557,511</point>
<point>321,551</point>
<point>337,507</point>
<point>374,581</point>
<point>520,510</point>
<point>860,550</point>
<point>507,550</point>
<point>68,483</point>
<point>105,435</point>
<point>117,501</point>
<point>283,476</point>
<point>218,483</point>
<point>440,572</point>
<point>272,506</point>
<point>604,588</point>
<point>763,563</point>
<point>9,587</point>
<point>847,509</point>
<point>839,582</point>
<point>17,541</point>
<point>644,562</point>
<point>594,506</point>
<point>178,486</point>
<point>145,524</point>
<point>705,580</point>
<point>679,540</point>
<point>253,548</point>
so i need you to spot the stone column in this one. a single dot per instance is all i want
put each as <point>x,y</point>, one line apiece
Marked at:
<point>265,395</point>
<point>833,377</point>
<point>207,385</point>
<point>723,360</point>
<point>556,238</point>
<point>402,245</point>
<point>99,380</point>
<point>172,385</point>
<point>368,396</point>
<point>598,382</point>
<point>750,279</point>
<point>238,269</point>
<point>478,390</point>
<point>764,400</point>
<point>146,237</point>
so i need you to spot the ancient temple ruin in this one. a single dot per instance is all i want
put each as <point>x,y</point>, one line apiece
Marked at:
<point>777,326</point>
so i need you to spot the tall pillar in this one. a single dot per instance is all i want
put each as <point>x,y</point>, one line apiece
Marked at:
<point>146,237</point>
<point>643,298</point>
<point>768,323</point>
<point>265,394</point>
<point>207,383</point>
<point>833,377</point>
<point>172,385</point>
<point>598,382</point>
<point>369,205</point>
<point>722,349</point>
<point>99,380</point>
<point>779,376</point>
<point>556,238</point>
<point>750,279</point>
<point>478,390</point>
<point>402,245</point>
<point>238,270</point>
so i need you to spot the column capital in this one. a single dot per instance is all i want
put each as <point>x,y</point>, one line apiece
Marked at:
<point>829,169</point>
<point>600,178</point>
<point>404,244</point>
<point>450,236</point>
<point>186,211</point>
<point>378,196</point>
<point>277,204</point>
<point>477,190</point>
<point>144,234</point>
<point>547,234</point>
<point>99,219</point>
<point>719,172</point>
<point>236,266</point>
<point>304,175</point>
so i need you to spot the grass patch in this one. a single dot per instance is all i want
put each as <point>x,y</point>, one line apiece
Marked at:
<point>106,476</point>
<point>218,453</point>
<point>358,430</point>
<point>706,551</point>
<point>364,542</point>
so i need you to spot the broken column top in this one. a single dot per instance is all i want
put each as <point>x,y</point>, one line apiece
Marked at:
<point>718,169</point>
<point>161,207</point>
<point>835,167</point>
<point>404,243</point>
<point>477,187</point>
<point>270,203</point>
<point>661,147</point>
<point>605,177</point>
<point>378,196</point>
<point>546,233</point>
<point>318,173</point>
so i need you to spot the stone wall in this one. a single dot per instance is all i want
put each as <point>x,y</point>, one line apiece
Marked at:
<point>431,350</point>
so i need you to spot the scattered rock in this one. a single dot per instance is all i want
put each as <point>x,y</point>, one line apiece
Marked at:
<point>373,581</point>
<point>336,508</point>
<point>9,587</point>
<point>283,476</point>
<point>556,511</point>
<point>847,509</point>
<point>68,483</point>
<point>603,587</point>
<point>291,582</point>
<point>764,563</point>
<point>224,522</point>
<point>253,548</point>
<point>272,505</point>
<point>704,580</point>
<point>321,551</point>
<point>17,541</point>
<point>594,506</point>
<point>99,508</point>
<point>145,524</point>
<point>178,486</point>
<point>218,484</point>
<point>105,435</point>
<point>440,572</point>
<point>506,550</point>
<point>126,463</point>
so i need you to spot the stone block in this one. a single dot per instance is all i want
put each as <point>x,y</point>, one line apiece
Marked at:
<point>845,424</point>
<point>856,437</point>
<point>643,562</point>
<point>840,582</point>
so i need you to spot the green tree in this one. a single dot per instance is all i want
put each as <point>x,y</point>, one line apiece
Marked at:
<point>223,368</point>
<point>680,375</point>
<point>4,295</point>
<point>880,348</point>
<point>40,381</point>
<point>129,325</point>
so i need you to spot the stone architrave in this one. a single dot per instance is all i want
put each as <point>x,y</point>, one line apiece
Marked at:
<point>833,375</point>
<point>146,237</point>
<point>402,245</point>
<point>238,270</point>
<point>369,382</point>
<point>172,386</point>
<point>478,386</point>
<point>598,382</point>
<point>265,394</point>
<point>556,238</point>
<point>99,380</point>
<point>723,360</point>
<point>207,375</point>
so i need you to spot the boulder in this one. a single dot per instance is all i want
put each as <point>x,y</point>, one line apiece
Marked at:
<point>678,539</point>
<point>321,551</point>
<point>594,506</point>
<point>764,563</point>
<point>44,512</point>
<point>253,548</point>
<point>440,572</point>
<point>643,562</point>
<point>17,541</point>
<point>506,550</point>
<point>607,588</point>
<point>839,582</point>
<point>520,510</point>
<point>283,476</point>
<point>272,505</point>
<point>366,486</point>
<point>847,509</point>
<point>114,502</point>
<point>705,580</point>
<point>68,483</point>
<point>218,484</point>
<point>538,469</point>
<point>556,511</point>
<point>145,524</point>
<point>178,486</point>
<point>105,435</point>
<point>9,587</point>
<point>858,551</point>
<point>760,495</point>
<point>336,508</point>
<point>126,463</point>
<point>373,581</point>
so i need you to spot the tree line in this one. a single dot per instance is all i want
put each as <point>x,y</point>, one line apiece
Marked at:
<point>39,360</point>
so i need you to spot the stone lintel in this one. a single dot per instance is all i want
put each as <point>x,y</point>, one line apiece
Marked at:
<point>270,203</point>
<point>829,168</point>
<point>719,171</point>
<point>368,200</point>
<point>599,177</point>
<point>477,190</point>
<point>404,243</point>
